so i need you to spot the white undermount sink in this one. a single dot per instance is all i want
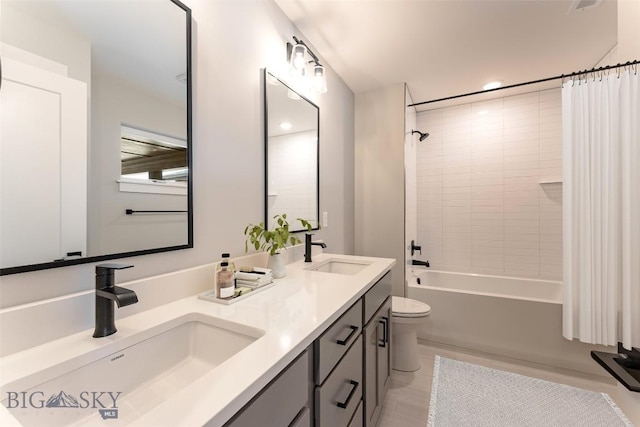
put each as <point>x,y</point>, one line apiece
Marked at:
<point>340,266</point>
<point>160,363</point>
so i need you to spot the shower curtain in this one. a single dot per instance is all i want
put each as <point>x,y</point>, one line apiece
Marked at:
<point>601,208</point>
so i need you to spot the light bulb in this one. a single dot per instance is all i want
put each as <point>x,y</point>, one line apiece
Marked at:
<point>319,79</point>
<point>297,60</point>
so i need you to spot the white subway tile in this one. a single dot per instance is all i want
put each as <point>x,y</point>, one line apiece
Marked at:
<point>477,180</point>
<point>510,236</point>
<point>533,230</point>
<point>512,244</point>
<point>477,202</point>
<point>484,236</point>
<point>486,208</point>
<point>519,216</point>
<point>511,173</point>
<point>529,197</point>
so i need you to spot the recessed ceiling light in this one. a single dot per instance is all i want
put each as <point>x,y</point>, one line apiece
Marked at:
<point>292,95</point>
<point>285,125</point>
<point>492,85</point>
<point>483,112</point>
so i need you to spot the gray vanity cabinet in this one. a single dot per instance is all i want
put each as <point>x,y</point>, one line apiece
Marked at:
<point>340,380</point>
<point>377,349</point>
<point>286,401</point>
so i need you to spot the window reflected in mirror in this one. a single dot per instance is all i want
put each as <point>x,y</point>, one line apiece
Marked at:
<point>146,155</point>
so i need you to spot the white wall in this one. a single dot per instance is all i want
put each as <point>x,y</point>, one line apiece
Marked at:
<point>115,102</point>
<point>379,171</point>
<point>628,30</point>
<point>60,45</point>
<point>233,40</point>
<point>481,208</point>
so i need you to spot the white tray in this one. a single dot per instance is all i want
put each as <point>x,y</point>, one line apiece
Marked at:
<point>211,295</point>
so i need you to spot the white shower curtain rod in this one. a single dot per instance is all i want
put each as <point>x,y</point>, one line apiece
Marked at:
<point>562,76</point>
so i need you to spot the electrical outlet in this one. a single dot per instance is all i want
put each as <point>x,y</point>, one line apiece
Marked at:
<point>325,219</point>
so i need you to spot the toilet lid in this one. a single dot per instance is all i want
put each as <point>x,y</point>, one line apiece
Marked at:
<point>406,307</point>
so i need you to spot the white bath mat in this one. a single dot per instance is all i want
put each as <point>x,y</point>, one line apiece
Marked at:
<point>463,394</point>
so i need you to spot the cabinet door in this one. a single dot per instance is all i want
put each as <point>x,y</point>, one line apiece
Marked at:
<point>384,350</point>
<point>377,362</point>
<point>371,406</point>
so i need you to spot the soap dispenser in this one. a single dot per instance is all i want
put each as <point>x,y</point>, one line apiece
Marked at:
<point>224,282</point>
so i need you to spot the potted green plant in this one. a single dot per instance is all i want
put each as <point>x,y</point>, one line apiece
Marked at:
<point>273,241</point>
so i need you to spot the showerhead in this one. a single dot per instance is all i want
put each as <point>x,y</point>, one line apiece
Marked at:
<point>423,136</point>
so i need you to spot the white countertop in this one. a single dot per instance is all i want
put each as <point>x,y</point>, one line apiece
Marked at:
<point>293,313</point>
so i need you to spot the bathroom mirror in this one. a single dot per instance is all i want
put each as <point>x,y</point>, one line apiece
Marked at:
<point>292,140</point>
<point>96,131</point>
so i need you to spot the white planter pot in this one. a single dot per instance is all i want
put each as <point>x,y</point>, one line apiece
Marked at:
<point>277,266</point>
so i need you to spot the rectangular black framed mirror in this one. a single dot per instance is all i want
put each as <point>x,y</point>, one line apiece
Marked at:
<point>96,131</point>
<point>292,155</point>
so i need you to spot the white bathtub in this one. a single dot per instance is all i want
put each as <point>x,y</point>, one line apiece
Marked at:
<point>505,316</point>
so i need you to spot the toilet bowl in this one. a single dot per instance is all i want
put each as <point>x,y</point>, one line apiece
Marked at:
<point>406,316</point>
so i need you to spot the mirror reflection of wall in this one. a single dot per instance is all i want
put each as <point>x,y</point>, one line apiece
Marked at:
<point>292,154</point>
<point>131,60</point>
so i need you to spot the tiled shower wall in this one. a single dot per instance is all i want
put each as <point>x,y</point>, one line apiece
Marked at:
<point>484,204</point>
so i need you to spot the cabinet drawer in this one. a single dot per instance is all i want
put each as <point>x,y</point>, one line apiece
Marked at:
<point>337,399</point>
<point>357,421</point>
<point>288,393</point>
<point>336,340</point>
<point>375,296</point>
<point>303,419</point>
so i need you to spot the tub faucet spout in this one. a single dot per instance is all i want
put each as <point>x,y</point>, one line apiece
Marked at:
<point>418,262</point>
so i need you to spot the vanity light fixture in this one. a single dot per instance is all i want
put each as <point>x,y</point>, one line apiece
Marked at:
<point>296,57</point>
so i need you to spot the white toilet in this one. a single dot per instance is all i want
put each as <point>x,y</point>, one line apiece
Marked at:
<point>406,315</point>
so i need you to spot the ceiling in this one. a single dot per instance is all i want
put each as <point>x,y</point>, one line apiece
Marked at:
<point>444,48</point>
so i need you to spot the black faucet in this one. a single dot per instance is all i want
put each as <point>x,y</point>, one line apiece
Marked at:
<point>106,294</point>
<point>415,248</point>
<point>307,246</point>
<point>417,262</point>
